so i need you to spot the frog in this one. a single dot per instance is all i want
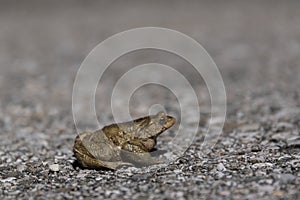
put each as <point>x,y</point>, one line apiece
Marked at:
<point>122,144</point>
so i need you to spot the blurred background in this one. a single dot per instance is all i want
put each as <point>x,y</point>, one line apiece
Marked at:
<point>255,44</point>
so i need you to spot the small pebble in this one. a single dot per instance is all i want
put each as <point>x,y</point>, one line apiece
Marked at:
<point>221,167</point>
<point>54,167</point>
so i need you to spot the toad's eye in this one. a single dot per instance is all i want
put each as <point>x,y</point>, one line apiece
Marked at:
<point>162,121</point>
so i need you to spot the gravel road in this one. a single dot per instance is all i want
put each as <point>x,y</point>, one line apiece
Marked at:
<point>256,46</point>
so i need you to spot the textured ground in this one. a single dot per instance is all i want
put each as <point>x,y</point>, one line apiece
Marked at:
<point>256,47</point>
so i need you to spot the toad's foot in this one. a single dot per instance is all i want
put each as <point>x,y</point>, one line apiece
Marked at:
<point>140,159</point>
<point>92,163</point>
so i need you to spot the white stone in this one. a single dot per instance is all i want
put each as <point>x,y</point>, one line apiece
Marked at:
<point>54,167</point>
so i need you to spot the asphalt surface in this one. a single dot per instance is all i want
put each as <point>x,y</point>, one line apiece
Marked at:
<point>256,46</point>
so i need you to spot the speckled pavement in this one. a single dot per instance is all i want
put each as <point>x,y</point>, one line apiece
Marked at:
<point>256,47</point>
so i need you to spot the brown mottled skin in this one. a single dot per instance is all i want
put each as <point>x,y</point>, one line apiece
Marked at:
<point>121,144</point>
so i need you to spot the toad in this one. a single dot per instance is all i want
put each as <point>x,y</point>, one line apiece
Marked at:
<point>127,143</point>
